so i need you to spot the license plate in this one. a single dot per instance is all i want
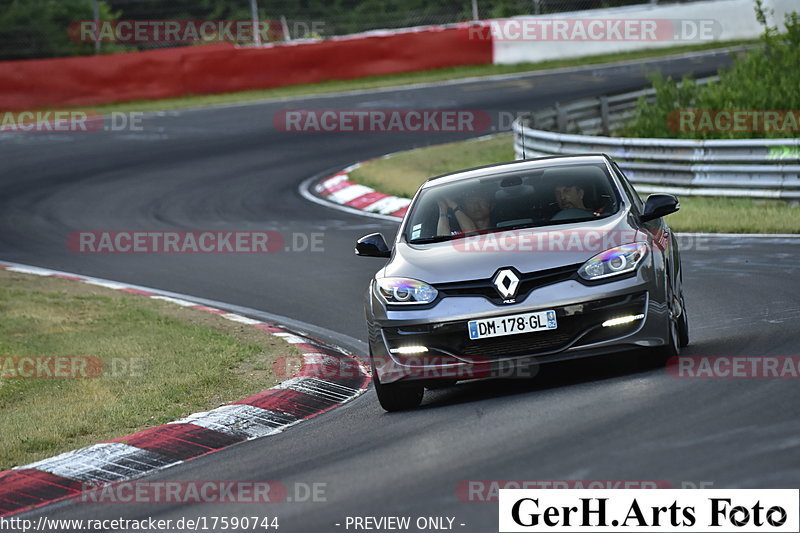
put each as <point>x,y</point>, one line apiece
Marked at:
<point>512,324</point>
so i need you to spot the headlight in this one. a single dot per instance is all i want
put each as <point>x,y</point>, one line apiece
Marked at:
<point>405,291</point>
<point>613,262</point>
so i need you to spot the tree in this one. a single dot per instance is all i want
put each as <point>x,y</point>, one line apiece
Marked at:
<point>40,28</point>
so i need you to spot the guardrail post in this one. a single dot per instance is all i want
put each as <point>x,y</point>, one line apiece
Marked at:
<point>561,118</point>
<point>254,18</point>
<point>605,123</point>
<point>96,16</point>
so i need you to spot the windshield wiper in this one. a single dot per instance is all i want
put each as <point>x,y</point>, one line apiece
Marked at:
<point>442,238</point>
<point>429,240</point>
<point>519,226</point>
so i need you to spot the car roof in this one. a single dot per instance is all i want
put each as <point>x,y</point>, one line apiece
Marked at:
<point>539,163</point>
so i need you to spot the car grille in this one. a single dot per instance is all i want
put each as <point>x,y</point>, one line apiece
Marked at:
<point>527,283</point>
<point>496,347</point>
<point>578,324</point>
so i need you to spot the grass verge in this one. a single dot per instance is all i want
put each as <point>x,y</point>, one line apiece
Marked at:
<point>160,362</point>
<point>377,82</point>
<point>403,173</point>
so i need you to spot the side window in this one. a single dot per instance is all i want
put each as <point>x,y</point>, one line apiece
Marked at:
<point>637,201</point>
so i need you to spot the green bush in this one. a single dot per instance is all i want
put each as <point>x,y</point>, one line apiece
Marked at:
<point>40,28</point>
<point>766,78</point>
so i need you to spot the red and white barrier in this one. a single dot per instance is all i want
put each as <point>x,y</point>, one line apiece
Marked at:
<point>210,69</point>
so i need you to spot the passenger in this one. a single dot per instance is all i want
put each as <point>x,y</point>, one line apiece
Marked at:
<point>473,213</point>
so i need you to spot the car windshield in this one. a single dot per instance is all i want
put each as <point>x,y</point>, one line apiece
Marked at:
<point>522,199</point>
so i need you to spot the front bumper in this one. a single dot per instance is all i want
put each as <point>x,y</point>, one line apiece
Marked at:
<point>580,312</point>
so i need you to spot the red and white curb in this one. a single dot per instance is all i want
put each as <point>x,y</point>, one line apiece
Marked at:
<point>266,413</point>
<point>338,189</point>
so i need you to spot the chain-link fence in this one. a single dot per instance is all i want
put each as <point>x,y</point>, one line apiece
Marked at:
<point>56,28</point>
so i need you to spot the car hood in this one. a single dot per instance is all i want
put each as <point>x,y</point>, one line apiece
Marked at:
<point>527,250</point>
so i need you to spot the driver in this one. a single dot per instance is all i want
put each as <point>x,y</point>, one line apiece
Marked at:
<point>569,197</point>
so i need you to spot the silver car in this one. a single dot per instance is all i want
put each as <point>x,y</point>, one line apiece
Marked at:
<point>498,269</point>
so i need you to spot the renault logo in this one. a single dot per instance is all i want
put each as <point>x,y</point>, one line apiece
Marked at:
<point>506,283</point>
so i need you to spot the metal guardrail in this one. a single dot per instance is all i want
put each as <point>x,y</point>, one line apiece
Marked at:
<point>756,168</point>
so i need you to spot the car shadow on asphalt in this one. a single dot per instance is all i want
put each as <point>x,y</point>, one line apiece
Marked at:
<point>549,376</point>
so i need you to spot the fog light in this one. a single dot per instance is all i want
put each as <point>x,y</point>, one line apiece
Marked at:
<point>622,320</point>
<point>406,350</point>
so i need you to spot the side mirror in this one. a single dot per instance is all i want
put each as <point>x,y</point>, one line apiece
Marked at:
<point>659,205</point>
<point>372,245</point>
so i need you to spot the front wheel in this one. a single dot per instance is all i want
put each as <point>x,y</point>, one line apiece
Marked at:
<point>673,346</point>
<point>683,326</point>
<point>396,396</point>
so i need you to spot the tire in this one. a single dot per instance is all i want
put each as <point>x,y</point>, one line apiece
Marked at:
<point>673,347</point>
<point>396,396</point>
<point>683,326</point>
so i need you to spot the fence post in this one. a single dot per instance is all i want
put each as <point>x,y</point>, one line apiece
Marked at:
<point>285,28</point>
<point>604,117</point>
<point>96,16</point>
<point>254,16</point>
<point>561,118</point>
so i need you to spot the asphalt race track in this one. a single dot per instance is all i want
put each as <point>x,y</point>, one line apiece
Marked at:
<point>229,169</point>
